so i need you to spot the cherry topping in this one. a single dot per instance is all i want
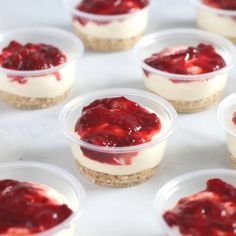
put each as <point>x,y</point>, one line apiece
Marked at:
<point>17,56</point>
<point>26,206</point>
<point>111,7</point>
<point>24,79</point>
<point>234,118</point>
<point>187,61</point>
<point>211,212</point>
<point>115,122</point>
<point>221,4</point>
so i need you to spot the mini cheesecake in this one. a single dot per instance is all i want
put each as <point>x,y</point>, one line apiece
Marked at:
<point>33,91</point>
<point>227,118</point>
<point>30,208</point>
<point>110,25</point>
<point>118,122</point>
<point>231,140</point>
<point>210,212</point>
<point>187,94</point>
<point>218,17</point>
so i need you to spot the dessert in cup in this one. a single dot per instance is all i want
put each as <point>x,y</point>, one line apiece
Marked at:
<point>198,204</point>
<point>227,118</point>
<point>217,16</point>
<point>112,25</point>
<point>187,67</point>
<point>37,66</point>
<point>118,136</point>
<point>38,199</point>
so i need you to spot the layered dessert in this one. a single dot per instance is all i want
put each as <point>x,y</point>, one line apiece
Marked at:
<point>34,89</point>
<point>209,212</point>
<point>118,125</point>
<point>30,208</point>
<point>231,140</point>
<point>219,17</point>
<point>110,25</point>
<point>174,75</point>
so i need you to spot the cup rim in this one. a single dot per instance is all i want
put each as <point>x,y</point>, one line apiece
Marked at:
<point>168,109</point>
<point>224,106</point>
<point>192,33</point>
<point>77,186</point>
<point>199,3</point>
<point>98,17</point>
<point>50,31</point>
<point>158,201</point>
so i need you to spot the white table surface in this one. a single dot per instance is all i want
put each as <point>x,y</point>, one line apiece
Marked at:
<point>198,142</point>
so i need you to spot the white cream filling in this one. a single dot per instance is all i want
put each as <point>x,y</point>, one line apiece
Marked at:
<point>217,23</point>
<point>46,86</point>
<point>117,29</point>
<point>190,91</point>
<point>145,159</point>
<point>53,195</point>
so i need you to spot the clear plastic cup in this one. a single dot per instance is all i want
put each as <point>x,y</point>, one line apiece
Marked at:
<point>56,178</point>
<point>184,186</point>
<point>107,32</point>
<point>187,93</point>
<point>145,157</point>
<point>216,20</point>
<point>40,88</point>
<point>225,115</point>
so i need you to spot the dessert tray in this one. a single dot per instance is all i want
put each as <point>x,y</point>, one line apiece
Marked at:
<point>198,142</point>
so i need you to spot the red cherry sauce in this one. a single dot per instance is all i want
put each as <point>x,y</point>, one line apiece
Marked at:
<point>211,212</point>
<point>221,4</point>
<point>25,206</point>
<point>115,122</point>
<point>111,7</point>
<point>28,57</point>
<point>234,118</point>
<point>186,61</point>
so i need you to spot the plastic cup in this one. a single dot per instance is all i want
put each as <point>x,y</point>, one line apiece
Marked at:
<point>146,157</point>
<point>56,178</point>
<point>216,20</point>
<point>40,88</point>
<point>187,93</point>
<point>184,186</point>
<point>107,32</point>
<point>225,116</point>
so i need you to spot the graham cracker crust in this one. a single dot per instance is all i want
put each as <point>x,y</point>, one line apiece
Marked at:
<point>233,40</point>
<point>198,105</point>
<point>233,159</point>
<point>195,106</point>
<point>107,45</point>
<point>30,103</point>
<point>117,181</point>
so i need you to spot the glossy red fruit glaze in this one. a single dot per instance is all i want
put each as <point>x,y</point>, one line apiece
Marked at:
<point>30,56</point>
<point>115,122</point>
<point>221,4</point>
<point>234,118</point>
<point>25,206</point>
<point>24,79</point>
<point>211,212</point>
<point>187,61</point>
<point>111,7</point>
